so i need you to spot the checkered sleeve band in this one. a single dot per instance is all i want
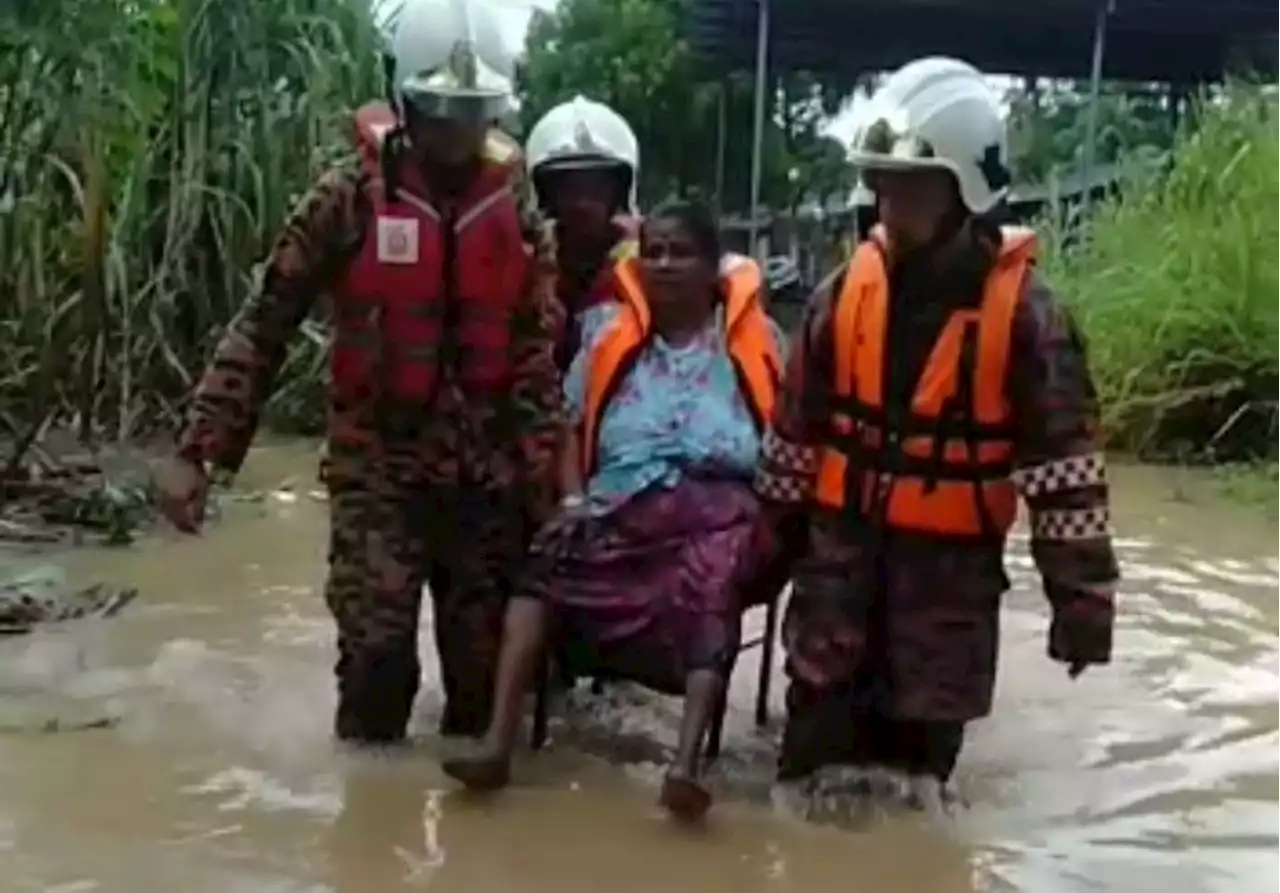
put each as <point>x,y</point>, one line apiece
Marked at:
<point>786,470</point>
<point>1058,475</point>
<point>782,487</point>
<point>1065,525</point>
<point>787,456</point>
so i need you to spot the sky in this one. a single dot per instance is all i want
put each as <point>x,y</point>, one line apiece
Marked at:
<point>514,15</point>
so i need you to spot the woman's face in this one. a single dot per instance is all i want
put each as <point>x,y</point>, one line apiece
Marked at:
<point>673,267</point>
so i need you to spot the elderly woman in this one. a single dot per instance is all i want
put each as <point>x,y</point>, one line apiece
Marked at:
<point>644,572</point>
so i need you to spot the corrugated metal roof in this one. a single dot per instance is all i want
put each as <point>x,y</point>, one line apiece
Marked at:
<point>1176,41</point>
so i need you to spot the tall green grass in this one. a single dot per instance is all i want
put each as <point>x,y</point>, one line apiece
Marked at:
<point>1175,286</point>
<point>148,151</point>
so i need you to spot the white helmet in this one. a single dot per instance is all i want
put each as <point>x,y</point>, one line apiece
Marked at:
<point>582,134</point>
<point>938,113</point>
<point>447,58</point>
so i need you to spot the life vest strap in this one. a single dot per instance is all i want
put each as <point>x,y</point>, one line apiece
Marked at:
<point>960,413</point>
<point>842,410</point>
<point>901,464</point>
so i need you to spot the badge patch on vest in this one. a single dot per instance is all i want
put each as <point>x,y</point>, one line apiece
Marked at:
<point>397,240</point>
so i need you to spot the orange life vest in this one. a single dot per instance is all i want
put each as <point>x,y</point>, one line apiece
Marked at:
<point>748,335</point>
<point>427,281</point>
<point>942,465</point>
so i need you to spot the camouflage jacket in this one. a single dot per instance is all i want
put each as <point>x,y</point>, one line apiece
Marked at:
<point>1059,464</point>
<point>485,442</point>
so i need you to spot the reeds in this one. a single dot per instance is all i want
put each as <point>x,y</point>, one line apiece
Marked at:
<point>1175,287</point>
<point>149,149</point>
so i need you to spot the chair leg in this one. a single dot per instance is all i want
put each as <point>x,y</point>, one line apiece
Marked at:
<point>715,732</point>
<point>561,669</point>
<point>538,737</point>
<point>766,663</point>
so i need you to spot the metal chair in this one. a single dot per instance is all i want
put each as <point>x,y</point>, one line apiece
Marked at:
<point>766,641</point>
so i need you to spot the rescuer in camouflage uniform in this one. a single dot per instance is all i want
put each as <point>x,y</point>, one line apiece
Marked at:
<point>445,406</point>
<point>934,383</point>
<point>584,160</point>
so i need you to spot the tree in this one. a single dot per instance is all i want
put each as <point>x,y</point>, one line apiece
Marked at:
<point>629,54</point>
<point>1049,126</point>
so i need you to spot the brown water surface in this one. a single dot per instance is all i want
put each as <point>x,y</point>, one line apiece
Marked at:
<point>1157,773</point>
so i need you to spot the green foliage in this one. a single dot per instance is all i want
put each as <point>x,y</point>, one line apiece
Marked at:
<point>1175,286</point>
<point>1049,126</point>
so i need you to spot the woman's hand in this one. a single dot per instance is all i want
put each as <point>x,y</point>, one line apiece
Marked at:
<point>568,523</point>
<point>573,503</point>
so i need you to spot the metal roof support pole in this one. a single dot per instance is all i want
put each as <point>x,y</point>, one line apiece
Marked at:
<point>1105,8</point>
<point>757,138</point>
<point>722,126</point>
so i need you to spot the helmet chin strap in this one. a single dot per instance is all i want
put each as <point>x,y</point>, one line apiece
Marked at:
<point>389,84</point>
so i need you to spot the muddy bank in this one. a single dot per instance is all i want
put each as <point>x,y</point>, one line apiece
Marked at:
<point>56,492</point>
<point>60,494</point>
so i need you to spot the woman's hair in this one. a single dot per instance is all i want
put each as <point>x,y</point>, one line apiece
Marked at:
<point>698,220</point>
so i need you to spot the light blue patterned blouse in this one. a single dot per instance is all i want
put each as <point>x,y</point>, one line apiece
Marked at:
<point>677,408</point>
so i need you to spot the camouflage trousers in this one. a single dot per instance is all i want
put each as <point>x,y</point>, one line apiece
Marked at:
<point>385,543</point>
<point>850,720</point>
<point>842,726</point>
<point>891,644</point>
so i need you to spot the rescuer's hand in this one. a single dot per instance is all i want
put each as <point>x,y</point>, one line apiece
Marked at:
<point>182,492</point>
<point>1081,630</point>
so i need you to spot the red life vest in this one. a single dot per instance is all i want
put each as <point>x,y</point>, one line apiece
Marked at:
<point>429,280</point>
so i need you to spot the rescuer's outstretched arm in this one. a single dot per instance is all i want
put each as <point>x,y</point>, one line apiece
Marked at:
<point>1061,474</point>
<point>319,236</point>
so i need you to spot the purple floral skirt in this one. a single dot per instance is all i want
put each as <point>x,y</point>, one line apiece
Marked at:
<point>648,592</point>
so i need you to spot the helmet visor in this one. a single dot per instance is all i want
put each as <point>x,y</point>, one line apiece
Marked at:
<point>425,101</point>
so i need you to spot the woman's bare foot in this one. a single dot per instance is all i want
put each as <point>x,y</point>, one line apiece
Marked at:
<point>485,770</point>
<point>684,796</point>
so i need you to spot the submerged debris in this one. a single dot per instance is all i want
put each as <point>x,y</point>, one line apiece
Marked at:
<point>58,492</point>
<point>41,598</point>
<point>47,632</point>
<point>54,724</point>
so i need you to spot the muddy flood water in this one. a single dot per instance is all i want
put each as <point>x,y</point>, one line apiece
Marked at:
<point>1157,773</point>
